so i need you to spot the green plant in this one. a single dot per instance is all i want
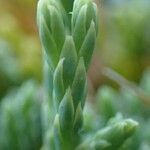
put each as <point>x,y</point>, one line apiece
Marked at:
<point>130,103</point>
<point>68,32</point>
<point>20,122</point>
<point>110,137</point>
<point>68,41</point>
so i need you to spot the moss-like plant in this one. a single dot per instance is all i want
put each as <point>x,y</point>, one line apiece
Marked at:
<point>68,32</point>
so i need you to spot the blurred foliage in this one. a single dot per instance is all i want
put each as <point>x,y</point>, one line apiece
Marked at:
<point>110,102</point>
<point>125,36</point>
<point>20,123</point>
<point>18,34</point>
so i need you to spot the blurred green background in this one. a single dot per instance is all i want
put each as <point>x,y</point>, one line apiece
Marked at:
<point>20,51</point>
<point>123,42</point>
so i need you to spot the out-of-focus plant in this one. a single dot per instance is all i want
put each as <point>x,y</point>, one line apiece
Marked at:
<point>20,123</point>
<point>110,137</point>
<point>126,101</point>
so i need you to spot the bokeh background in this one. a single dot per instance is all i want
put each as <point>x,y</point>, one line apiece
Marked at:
<point>121,57</point>
<point>20,51</point>
<point>123,42</point>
